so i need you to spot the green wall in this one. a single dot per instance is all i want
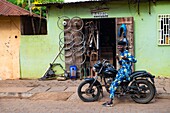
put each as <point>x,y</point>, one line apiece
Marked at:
<point>150,55</point>
<point>38,51</point>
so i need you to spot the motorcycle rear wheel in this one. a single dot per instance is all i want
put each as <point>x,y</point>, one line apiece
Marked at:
<point>86,94</point>
<point>146,91</point>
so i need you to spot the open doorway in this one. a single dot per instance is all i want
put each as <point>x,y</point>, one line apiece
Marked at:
<point>96,41</point>
<point>105,30</point>
<point>100,37</point>
<point>107,49</point>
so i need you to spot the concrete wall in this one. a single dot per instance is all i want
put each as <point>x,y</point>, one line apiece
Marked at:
<point>150,56</point>
<point>9,47</point>
<point>36,52</point>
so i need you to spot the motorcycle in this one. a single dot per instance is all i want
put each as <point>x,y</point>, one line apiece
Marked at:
<point>141,86</point>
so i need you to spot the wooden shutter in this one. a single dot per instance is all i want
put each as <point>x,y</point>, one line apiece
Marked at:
<point>128,21</point>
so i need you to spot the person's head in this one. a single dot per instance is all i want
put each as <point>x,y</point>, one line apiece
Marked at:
<point>121,45</point>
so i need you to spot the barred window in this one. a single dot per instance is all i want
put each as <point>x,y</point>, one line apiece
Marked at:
<point>164,29</point>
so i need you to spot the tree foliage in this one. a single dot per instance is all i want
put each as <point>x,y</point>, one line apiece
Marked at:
<point>37,10</point>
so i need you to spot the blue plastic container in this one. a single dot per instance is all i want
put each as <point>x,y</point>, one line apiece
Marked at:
<point>73,72</point>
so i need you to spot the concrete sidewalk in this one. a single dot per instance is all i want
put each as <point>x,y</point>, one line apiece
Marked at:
<point>60,90</point>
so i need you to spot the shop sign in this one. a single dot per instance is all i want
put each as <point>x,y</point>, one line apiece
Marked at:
<point>99,14</point>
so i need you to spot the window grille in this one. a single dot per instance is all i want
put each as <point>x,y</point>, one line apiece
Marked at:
<point>164,29</point>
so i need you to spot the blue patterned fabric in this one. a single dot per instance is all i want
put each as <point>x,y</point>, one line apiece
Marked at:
<point>123,72</point>
<point>122,30</point>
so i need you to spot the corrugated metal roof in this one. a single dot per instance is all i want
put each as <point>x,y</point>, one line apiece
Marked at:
<point>9,9</point>
<point>69,2</point>
<point>73,1</point>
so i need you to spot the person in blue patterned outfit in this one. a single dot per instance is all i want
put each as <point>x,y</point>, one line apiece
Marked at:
<point>125,60</point>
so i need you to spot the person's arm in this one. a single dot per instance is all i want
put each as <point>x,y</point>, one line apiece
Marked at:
<point>128,56</point>
<point>119,60</point>
<point>117,57</point>
<point>131,58</point>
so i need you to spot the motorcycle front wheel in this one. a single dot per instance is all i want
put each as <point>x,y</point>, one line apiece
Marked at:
<point>87,92</point>
<point>144,92</point>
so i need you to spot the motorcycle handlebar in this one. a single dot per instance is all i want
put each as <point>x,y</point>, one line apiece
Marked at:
<point>105,60</point>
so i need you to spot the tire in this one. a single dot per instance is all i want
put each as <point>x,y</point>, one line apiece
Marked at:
<point>143,97</point>
<point>84,95</point>
<point>63,23</point>
<point>76,23</point>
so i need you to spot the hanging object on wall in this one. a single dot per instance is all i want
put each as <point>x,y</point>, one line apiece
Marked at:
<point>100,15</point>
<point>72,38</point>
<point>100,8</point>
<point>122,30</point>
<point>76,23</point>
<point>123,33</point>
<point>92,43</point>
<point>100,11</point>
<point>63,23</point>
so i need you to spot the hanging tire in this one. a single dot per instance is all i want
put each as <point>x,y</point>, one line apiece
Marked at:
<point>145,91</point>
<point>63,23</point>
<point>86,94</point>
<point>76,23</point>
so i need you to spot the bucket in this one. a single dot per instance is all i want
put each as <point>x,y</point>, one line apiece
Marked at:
<point>73,72</point>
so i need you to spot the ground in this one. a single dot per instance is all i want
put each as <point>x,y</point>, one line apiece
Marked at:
<point>51,106</point>
<point>61,96</point>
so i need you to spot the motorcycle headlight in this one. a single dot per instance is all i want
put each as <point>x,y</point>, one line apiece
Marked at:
<point>94,69</point>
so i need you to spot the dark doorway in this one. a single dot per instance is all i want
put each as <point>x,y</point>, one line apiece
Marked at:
<point>108,40</point>
<point>99,37</point>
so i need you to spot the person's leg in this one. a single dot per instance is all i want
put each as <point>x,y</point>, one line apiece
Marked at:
<point>114,85</point>
<point>127,72</point>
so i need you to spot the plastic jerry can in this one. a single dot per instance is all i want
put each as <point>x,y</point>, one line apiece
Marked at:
<point>73,71</point>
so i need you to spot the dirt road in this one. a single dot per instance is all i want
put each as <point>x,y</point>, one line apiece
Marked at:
<point>50,106</point>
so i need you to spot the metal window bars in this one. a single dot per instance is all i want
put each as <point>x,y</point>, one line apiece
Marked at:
<point>164,29</point>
